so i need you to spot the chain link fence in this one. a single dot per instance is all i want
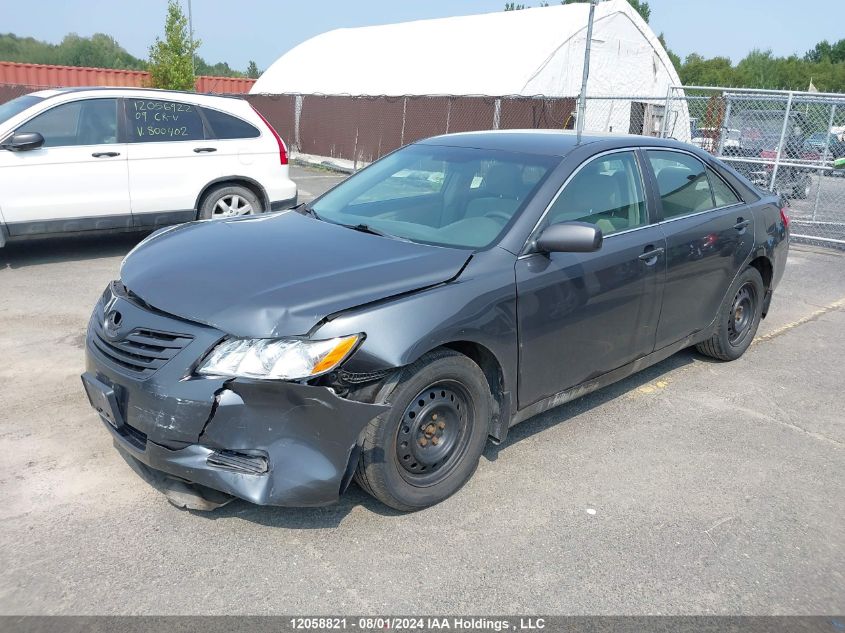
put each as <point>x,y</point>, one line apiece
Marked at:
<point>784,142</point>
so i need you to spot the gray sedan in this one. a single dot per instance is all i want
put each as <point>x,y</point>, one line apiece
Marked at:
<point>420,309</point>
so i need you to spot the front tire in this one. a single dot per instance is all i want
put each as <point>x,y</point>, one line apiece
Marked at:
<point>229,201</point>
<point>427,446</point>
<point>738,319</point>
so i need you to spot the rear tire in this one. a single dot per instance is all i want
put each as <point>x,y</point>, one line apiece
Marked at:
<point>427,446</point>
<point>227,201</point>
<point>738,319</point>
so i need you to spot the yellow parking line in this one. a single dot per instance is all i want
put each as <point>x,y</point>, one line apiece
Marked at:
<point>836,305</point>
<point>658,386</point>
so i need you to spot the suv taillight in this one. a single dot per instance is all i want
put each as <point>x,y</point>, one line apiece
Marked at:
<point>785,217</point>
<point>283,154</point>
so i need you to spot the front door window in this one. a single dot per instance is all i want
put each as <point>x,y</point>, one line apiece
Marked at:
<point>86,122</point>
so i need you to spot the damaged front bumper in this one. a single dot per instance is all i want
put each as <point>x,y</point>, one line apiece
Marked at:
<point>268,442</point>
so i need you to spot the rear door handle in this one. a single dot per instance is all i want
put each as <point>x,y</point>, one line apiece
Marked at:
<point>741,224</point>
<point>105,154</point>
<point>650,255</point>
<point>200,150</point>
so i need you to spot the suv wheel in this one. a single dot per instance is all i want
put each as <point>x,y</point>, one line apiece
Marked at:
<point>229,201</point>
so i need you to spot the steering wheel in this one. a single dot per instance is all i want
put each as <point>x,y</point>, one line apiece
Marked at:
<point>498,215</point>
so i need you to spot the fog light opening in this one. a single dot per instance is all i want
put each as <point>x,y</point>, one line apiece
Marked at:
<point>239,462</point>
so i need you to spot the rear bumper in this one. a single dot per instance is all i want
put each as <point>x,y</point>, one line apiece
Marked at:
<point>281,205</point>
<point>217,432</point>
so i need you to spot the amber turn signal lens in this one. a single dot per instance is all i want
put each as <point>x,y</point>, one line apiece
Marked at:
<point>336,355</point>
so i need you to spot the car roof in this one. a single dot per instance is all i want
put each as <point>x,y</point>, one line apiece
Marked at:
<point>545,142</point>
<point>53,92</point>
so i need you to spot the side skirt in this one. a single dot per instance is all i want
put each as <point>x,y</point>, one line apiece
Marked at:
<point>609,378</point>
<point>93,225</point>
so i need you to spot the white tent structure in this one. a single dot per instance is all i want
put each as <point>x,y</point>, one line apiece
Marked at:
<point>530,52</point>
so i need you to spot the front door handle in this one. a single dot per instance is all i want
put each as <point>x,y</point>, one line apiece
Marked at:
<point>650,255</point>
<point>105,154</point>
<point>741,224</point>
<point>200,150</point>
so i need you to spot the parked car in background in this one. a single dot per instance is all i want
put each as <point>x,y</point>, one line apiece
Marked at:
<point>817,142</point>
<point>712,139</point>
<point>761,133</point>
<point>429,302</point>
<point>103,159</point>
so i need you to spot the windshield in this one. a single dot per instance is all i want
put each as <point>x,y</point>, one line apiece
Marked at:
<point>447,196</point>
<point>16,106</point>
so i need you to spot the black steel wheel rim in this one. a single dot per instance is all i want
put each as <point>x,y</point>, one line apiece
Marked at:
<point>434,432</point>
<point>743,310</point>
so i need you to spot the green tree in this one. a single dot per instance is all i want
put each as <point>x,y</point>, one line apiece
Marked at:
<point>220,69</point>
<point>511,6</point>
<point>99,50</point>
<point>824,50</point>
<point>676,60</point>
<point>171,64</point>
<point>252,70</point>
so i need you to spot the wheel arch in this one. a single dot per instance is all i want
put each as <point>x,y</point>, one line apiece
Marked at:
<point>242,181</point>
<point>493,372</point>
<point>767,271</point>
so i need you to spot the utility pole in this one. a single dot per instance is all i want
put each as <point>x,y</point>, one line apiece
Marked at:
<point>191,37</point>
<point>582,99</point>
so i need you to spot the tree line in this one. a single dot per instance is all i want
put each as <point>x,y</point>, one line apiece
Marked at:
<point>98,51</point>
<point>822,67</point>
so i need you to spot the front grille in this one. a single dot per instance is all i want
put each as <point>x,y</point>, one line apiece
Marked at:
<point>141,352</point>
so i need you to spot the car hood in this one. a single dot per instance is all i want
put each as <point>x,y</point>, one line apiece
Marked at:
<point>277,274</point>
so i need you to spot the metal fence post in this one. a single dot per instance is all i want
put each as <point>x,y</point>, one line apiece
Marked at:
<point>297,116</point>
<point>582,98</point>
<point>824,158</point>
<point>782,139</point>
<point>725,127</point>
<point>497,113</point>
<point>665,122</point>
<point>404,112</point>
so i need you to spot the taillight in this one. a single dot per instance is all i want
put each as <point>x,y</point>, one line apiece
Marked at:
<point>283,154</point>
<point>784,216</point>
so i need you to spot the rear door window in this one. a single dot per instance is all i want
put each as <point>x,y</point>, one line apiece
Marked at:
<point>226,126</point>
<point>723,195</point>
<point>84,122</point>
<point>160,120</point>
<point>682,182</point>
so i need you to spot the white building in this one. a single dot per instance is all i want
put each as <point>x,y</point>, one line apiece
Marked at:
<point>531,52</point>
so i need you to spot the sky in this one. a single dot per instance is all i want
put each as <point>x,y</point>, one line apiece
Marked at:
<point>262,30</point>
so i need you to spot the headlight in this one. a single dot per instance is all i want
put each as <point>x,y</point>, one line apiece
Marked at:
<point>277,359</point>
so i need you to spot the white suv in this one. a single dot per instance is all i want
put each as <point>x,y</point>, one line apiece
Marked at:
<point>96,159</point>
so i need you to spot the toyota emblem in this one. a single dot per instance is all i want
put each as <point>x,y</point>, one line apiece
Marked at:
<point>111,324</point>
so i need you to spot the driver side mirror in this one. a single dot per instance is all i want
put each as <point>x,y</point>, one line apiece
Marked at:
<point>23,142</point>
<point>570,237</point>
